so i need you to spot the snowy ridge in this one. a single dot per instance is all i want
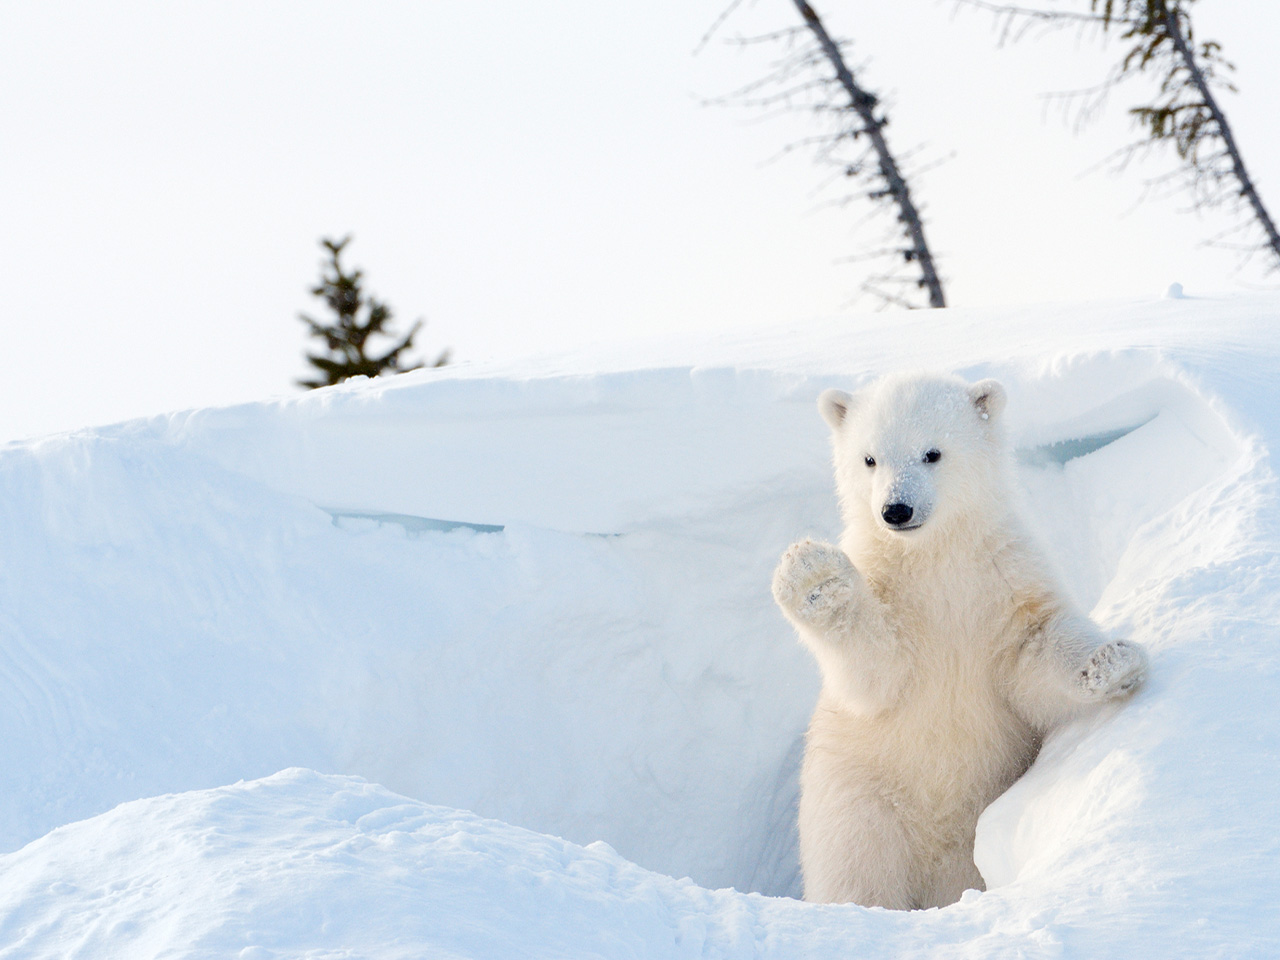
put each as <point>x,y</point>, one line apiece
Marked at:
<point>303,865</point>
<point>180,610</point>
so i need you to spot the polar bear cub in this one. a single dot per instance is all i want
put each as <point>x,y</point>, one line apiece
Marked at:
<point>947,650</point>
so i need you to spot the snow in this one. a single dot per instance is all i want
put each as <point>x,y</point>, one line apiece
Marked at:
<point>257,661</point>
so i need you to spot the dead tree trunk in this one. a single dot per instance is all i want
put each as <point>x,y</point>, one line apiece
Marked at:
<point>863,104</point>
<point>1184,110</point>
<point>1247,190</point>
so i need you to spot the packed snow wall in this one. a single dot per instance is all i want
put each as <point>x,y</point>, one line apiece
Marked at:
<point>543,597</point>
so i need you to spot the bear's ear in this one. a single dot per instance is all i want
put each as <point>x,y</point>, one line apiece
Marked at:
<point>834,405</point>
<point>988,397</point>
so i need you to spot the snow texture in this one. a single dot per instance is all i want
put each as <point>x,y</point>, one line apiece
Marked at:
<point>541,593</point>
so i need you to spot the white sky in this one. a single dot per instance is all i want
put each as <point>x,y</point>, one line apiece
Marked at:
<point>527,177</point>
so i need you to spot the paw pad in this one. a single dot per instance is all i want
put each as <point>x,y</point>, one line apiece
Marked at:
<point>1113,669</point>
<point>810,577</point>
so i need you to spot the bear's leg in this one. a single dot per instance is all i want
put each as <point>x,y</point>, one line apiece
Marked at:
<point>952,874</point>
<point>1067,664</point>
<point>853,848</point>
<point>843,624</point>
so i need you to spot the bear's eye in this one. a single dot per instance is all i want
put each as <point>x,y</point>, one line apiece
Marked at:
<point>933,456</point>
<point>869,460</point>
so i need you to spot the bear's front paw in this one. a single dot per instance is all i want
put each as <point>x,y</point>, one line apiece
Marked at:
<point>814,579</point>
<point>1113,670</point>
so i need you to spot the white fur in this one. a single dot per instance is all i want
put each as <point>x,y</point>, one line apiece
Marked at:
<point>947,651</point>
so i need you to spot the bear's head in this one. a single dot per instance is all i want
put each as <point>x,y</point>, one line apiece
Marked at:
<point>916,453</point>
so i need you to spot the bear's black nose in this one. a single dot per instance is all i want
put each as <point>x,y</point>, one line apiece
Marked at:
<point>896,514</point>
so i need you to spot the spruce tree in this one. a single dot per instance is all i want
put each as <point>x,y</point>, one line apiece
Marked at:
<point>347,335</point>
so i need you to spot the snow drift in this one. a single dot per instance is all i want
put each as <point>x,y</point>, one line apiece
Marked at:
<point>540,594</point>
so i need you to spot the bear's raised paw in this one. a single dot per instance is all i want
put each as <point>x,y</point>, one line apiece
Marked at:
<point>1114,669</point>
<point>813,580</point>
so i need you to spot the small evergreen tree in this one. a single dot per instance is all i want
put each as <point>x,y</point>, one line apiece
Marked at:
<point>347,336</point>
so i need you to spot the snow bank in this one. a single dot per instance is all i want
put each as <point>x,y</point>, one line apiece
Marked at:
<point>541,594</point>
<point>304,865</point>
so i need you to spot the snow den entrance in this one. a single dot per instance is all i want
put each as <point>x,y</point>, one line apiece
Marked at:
<point>642,690</point>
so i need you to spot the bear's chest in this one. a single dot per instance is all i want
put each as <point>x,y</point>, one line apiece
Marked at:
<point>955,622</point>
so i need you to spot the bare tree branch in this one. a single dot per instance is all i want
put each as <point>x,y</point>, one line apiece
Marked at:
<point>1185,110</point>
<point>812,73</point>
<point>863,104</point>
<point>1210,103</point>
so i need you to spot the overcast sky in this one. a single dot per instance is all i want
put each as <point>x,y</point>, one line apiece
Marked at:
<point>528,177</point>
